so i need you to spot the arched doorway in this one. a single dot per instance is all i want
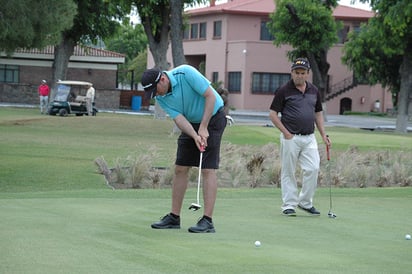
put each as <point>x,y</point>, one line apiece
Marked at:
<point>345,105</point>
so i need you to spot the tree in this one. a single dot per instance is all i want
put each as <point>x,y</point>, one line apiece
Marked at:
<point>155,16</point>
<point>309,27</point>
<point>382,53</point>
<point>95,19</point>
<point>176,32</point>
<point>139,65</point>
<point>163,19</point>
<point>131,41</point>
<point>128,39</point>
<point>33,23</point>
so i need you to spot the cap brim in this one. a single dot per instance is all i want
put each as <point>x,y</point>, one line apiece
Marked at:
<point>152,89</point>
<point>300,67</point>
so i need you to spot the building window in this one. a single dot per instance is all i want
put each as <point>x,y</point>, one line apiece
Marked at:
<point>195,31</point>
<point>202,33</point>
<point>9,73</point>
<point>268,83</point>
<point>343,34</point>
<point>235,78</point>
<point>217,29</point>
<point>265,35</point>
<point>356,28</point>
<point>215,77</point>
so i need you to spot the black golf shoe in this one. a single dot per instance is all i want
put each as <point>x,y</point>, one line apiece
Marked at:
<point>289,212</point>
<point>167,222</point>
<point>203,226</point>
<point>312,211</point>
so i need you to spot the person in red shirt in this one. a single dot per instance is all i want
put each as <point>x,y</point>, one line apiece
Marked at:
<point>44,92</point>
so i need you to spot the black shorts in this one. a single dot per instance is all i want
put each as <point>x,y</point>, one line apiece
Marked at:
<point>189,155</point>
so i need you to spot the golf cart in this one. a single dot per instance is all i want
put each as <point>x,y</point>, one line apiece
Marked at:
<point>70,99</point>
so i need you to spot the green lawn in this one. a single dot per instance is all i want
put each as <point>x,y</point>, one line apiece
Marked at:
<point>104,231</point>
<point>58,216</point>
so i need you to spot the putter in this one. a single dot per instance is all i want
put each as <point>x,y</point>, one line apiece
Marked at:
<point>330,213</point>
<point>197,206</point>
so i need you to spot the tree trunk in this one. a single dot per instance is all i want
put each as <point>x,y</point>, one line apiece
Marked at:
<point>405,93</point>
<point>176,32</point>
<point>176,36</point>
<point>62,54</point>
<point>320,69</point>
<point>158,38</point>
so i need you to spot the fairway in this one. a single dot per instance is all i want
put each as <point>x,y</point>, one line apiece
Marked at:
<point>109,232</point>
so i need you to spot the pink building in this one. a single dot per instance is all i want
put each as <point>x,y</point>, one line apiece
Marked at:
<point>230,44</point>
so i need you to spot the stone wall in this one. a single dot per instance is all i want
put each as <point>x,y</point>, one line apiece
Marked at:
<point>18,94</point>
<point>107,99</point>
<point>27,94</point>
<point>101,79</point>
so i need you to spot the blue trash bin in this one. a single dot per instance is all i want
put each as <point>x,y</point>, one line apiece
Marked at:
<point>136,103</point>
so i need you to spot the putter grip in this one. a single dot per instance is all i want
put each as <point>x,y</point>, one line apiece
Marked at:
<point>327,149</point>
<point>327,152</point>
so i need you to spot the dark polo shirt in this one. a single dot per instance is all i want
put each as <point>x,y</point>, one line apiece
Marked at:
<point>297,108</point>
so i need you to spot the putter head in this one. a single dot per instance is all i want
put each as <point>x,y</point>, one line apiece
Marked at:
<point>194,206</point>
<point>331,215</point>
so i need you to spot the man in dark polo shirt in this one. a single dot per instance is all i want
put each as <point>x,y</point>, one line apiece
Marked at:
<point>295,110</point>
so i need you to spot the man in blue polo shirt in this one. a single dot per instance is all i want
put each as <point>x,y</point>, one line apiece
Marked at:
<point>197,109</point>
<point>299,104</point>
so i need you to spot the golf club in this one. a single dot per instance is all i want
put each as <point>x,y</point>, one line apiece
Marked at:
<point>330,213</point>
<point>196,206</point>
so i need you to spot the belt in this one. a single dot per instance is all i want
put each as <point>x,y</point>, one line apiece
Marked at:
<point>302,134</point>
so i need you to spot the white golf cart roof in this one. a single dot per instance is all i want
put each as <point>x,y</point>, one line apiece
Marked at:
<point>74,83</point>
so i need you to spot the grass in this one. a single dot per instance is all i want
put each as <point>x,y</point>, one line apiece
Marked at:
<point>376,114</point>
<point>104,231</point>
<point>342,138</point>
<point>58,216</point>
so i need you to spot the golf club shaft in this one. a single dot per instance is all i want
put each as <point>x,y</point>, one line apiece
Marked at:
<point>198,180</point>
<point>330,179</point>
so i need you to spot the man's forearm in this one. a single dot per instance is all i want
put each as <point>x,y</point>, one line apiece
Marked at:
<point>319,123</point>
<point>183,124</point>
<point>210,100</point>
<point>273,115</point>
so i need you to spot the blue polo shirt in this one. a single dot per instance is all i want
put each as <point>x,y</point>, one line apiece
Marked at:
<point>186,97</point>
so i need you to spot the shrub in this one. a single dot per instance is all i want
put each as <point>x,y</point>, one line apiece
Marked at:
<point>255,168</point>
<point>252,166</point>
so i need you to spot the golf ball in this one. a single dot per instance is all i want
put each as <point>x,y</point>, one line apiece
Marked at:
<point>257,243</point>
<point>407,237</point>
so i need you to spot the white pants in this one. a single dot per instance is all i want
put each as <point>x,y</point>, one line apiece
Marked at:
<point>89,105</point>
<point>302,149</point>
<point>44,102</point>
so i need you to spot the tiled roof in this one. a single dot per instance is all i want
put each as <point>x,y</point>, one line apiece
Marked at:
<point>264,7</point>
<point>345,12</point>
<point>78,51</point>
<point>238,6</point>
